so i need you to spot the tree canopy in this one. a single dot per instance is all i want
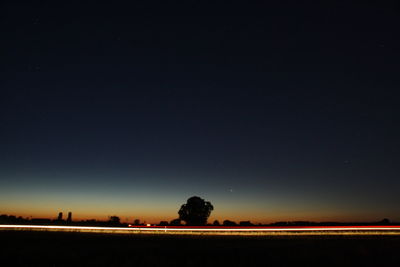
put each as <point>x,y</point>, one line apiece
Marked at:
<point>196,211</point>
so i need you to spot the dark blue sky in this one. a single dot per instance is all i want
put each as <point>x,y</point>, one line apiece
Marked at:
<point>271,113</point>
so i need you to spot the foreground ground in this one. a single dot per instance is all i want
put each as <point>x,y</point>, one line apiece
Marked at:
<point>26,248</point>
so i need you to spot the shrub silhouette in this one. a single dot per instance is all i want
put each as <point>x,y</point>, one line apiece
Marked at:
<point>114,220</point>
<point>245,223</point>
<point>196,211</point>
<point>175,222</point>
<point>229,223</point>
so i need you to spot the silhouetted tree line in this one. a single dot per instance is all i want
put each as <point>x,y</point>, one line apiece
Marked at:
<point>195,212</point>
<point>11,219</point>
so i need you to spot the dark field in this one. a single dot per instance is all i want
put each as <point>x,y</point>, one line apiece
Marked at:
<point>24,248</point>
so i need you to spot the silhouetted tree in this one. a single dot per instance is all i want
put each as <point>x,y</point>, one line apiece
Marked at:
<point>136,222</point>
<point>301,223</point>
<point>175,222</point>
<point>229,223</point>
<point>114,220</point>
<point>196,211</point>
<point>245,223</point>
<point>216,223</point>
<point>280,223</point>
<point>163,223</point>
<point>385,221</point>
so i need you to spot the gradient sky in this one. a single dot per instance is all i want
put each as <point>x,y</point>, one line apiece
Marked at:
<point>271,113</point>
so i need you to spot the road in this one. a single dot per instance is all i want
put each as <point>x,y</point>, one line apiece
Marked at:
<point>298,230</point>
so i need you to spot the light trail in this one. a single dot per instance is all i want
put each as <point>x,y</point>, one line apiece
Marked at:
<point>321,230</point>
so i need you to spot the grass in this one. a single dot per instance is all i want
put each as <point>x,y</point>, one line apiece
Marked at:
<point>31,248</point>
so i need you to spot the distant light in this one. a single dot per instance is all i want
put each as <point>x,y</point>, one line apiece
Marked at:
<point>148,224</point>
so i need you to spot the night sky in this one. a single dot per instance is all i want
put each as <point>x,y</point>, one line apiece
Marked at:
<point>270,112</point>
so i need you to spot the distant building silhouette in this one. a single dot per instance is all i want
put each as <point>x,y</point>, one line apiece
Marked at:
<point>69,219</point>
<point>60,215</point>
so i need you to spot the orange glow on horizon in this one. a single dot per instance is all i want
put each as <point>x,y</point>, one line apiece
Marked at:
<point>155,219</point>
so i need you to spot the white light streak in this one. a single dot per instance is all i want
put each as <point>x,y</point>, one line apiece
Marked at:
<point>216,230</point>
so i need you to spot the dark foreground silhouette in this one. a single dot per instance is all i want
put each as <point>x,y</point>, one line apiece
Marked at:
<point>196,211</point>
<point>73,249</point>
